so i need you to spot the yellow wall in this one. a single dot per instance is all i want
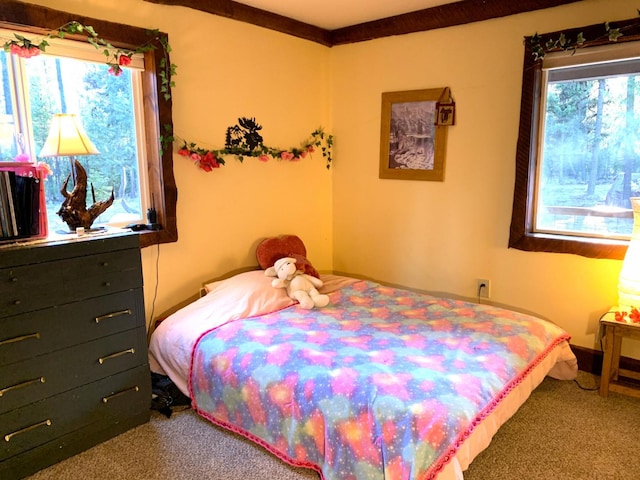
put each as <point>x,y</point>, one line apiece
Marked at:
<point>226,70</point>
<point>443,236</point>
<point>427,235</point>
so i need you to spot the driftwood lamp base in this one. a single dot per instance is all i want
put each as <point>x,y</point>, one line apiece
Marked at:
<point>74,210</point>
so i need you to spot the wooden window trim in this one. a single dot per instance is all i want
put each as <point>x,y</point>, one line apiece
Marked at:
<point>34,19</point>
<point>521,236</point>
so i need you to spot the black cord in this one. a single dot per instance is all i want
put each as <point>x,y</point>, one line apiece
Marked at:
<point>589,389</point>
<point>155,296</point>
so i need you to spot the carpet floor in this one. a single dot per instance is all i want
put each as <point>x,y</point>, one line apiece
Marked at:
<point>564,431</point>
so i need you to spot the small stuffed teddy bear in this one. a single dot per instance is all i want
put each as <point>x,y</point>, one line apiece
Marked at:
<point>300,286</point>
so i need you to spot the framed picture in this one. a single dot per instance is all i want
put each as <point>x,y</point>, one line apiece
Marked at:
<point>412,146</point>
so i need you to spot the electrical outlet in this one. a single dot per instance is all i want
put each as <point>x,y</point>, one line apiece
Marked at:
<point>483,288</point>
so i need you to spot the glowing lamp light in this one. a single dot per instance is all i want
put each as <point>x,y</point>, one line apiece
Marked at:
<point>67,138</point>
<point>629,282</point>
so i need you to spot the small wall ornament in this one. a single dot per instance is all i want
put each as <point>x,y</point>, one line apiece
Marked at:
<point>244,140</point>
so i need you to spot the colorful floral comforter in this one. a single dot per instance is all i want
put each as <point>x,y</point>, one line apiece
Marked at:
<point>382,383</point>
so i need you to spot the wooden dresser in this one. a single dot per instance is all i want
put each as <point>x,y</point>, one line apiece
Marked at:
<point>73,353</point>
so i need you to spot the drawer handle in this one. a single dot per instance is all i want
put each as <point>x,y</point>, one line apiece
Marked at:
<point>114,314</point>
<point>117,394</point>
<point>8,437</point>
<point>105,264</point>
<point>21,385</point>
<point>20,338</point>
<point>17,302</point>
<point>101,360</point>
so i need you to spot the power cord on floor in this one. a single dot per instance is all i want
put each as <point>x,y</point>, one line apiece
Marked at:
<point>597,387</point>
<point>588,389</point>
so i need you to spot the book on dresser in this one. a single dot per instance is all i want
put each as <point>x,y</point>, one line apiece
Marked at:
<point>73,348</point>
<point>22,202</point>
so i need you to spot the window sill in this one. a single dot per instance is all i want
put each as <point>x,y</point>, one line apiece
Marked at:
<point>586,247</point>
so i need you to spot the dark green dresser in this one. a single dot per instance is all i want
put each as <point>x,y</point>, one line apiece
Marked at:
<point>73,353</point>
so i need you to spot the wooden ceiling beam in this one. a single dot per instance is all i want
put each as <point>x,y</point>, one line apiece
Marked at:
<point>255,16</point>
<point>448,15</point>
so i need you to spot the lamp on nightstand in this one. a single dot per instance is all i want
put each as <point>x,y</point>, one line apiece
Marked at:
<point>629,282</point>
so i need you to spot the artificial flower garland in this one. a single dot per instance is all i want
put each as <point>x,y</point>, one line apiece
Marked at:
<point>116,57</point>
<point>244,140</point>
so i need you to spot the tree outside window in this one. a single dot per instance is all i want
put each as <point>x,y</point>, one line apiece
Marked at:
<point>578,151</point>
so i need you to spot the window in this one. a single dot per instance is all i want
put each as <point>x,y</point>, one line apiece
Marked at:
<point>110,111</point>
<point>578,155</point>
<point>124,116</point>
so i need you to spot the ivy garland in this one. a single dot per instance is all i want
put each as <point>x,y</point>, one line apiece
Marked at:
<point>564,43</point>
<point>116,57</point>
<point>244,140</point>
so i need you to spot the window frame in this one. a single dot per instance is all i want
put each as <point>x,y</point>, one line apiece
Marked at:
<point>37,20</point>
<point>521,234</point>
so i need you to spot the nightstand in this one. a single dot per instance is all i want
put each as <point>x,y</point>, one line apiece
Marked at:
<point>612,334</point>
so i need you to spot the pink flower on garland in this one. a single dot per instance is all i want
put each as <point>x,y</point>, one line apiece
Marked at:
<point>24,51</point>
<point>115,70</point>
<point>184,152</point>
<point>286,156</point>
<point>263,158</point>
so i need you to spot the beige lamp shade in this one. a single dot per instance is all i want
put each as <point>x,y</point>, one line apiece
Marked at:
<point>629,281</point>
<point>67,138</point>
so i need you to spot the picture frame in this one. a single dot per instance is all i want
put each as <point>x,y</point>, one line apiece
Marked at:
<point>412,145</point>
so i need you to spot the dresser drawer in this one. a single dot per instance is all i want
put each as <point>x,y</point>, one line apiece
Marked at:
<point>102,274</point>
<point>40,377</point>
<point>33,287</point>
<point>43,331</point>
<point>105,402</point>
<point>30,287</point>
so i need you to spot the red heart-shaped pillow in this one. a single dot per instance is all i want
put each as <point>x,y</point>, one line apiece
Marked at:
<point>271,249</point>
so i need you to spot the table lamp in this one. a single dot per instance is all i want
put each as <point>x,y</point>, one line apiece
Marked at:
<point>67,138</point>
<point>629,280</point>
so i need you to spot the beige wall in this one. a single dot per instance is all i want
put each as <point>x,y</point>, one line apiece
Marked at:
<point>428,235</point>
<point>443,236</point>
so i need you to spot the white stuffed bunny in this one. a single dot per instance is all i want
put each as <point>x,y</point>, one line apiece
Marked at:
<point>300,286</point>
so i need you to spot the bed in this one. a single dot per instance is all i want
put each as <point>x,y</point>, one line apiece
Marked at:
<point>382,383</point>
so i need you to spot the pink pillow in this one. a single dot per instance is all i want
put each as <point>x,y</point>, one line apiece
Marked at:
<point>246,295</point>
